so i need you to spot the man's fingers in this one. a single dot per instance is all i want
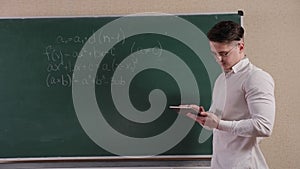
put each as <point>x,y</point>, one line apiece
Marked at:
<point>203,114</point>
<point>195,107</point>
<point>196,118</point>
<point>192,116</point>
<point>201,109</point>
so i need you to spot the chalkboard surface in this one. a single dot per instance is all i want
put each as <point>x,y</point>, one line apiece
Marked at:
<point>101,86</point>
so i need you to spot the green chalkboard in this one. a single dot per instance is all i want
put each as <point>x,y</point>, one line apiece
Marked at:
<point>101,86</point>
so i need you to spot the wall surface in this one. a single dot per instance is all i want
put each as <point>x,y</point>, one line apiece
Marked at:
<point>272,41</point>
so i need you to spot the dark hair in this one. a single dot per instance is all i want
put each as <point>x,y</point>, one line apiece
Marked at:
<point>226,32</point>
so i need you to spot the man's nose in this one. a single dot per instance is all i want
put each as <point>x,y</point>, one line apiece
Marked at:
<point>219,58</point>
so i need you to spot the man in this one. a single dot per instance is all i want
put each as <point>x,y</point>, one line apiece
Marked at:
<point>243,103</point>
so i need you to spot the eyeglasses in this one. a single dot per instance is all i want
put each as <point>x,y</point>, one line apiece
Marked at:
<point>224,54</point>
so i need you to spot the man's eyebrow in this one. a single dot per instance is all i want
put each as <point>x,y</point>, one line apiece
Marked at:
<point>218,52</point>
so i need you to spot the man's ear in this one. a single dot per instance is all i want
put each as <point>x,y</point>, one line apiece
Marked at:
<point>241,46</point>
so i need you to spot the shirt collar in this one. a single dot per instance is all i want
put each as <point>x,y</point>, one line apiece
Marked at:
<point>240,65</point>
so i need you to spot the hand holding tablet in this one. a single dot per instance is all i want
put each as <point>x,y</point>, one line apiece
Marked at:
<point>185,109</point>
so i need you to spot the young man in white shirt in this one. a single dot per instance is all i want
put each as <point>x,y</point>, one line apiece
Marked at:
<point>243,103</point>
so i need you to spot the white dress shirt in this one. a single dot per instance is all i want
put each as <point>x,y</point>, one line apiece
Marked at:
<point>244,100</point>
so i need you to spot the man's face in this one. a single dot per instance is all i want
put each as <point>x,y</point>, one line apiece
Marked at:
<point>227,55</point>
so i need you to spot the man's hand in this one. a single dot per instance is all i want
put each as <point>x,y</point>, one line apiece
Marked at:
<point>206,119</point>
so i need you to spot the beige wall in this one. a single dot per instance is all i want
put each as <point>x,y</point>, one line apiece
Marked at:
<point>272,43</point>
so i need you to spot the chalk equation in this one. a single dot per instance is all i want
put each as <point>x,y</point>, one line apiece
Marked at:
<point>61,56</point>
<point>101,38</point>
<point>66,80</point>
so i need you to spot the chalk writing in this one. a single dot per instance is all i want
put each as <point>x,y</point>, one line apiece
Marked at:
<point>76,39</point>
<point>62,54</point>
<point>155,50</point>
<point>66,80</point>
<point>61,80</point>
<point>96,38</point>
<point>59,61</point>
<point>100,80</point>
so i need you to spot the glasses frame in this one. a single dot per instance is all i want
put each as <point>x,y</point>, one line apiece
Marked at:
<point>225,54</point>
